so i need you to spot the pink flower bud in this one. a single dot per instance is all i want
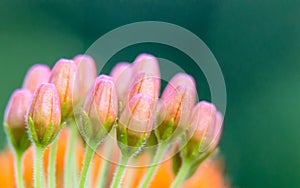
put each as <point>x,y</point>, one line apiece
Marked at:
<point>207,123</point>
<point>85,76</point>
<point>36,74</point>
<point>180,79</point>
<point>146,84</point>
<point>178,100</point>
<point>214,133</point>
<point>203,119</point>
<point>63,77</point>
<point>16,109</point>
<point>122,74</point>
<point>44,111</point>
<point>101,104</point>
<point>146,63</point>
<point>137,119</point>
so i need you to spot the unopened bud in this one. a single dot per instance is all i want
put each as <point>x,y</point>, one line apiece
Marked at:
<point>85,76</point>
<point>207,124</point>
<point>177,102</point>
<point>146,63</point>
<point>122,74</point>
<point>44,115</point>
<point>63,77</point>
<point>146,84</point>
<point>136,121</point>
<point>100,109</point>
<point>14,120</point>
<point>36,74</point>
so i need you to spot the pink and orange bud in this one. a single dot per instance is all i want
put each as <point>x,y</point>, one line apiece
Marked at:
<point>36,74</point>
<point>176,104</point>
<point>215,133</point>
<point>85,76</point>
<point>180,79</point>
<point>146,84</point>
<point>63,77</point>
<point>16,109</point>
<point>44,114</point>
<point>14,120</point>
<point>206,127</point>
<point>203,118</point>
<point>136,121</point>
<point>121,75</point>
<point>101,105</point>
<point>146,63</point>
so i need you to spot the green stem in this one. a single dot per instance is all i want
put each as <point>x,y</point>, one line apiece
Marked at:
<point>89,153</point>
<point>130,172</point>
<point>182,174</point>
<point>70,158</point>
<point>38,166</point>
<point>18,169</point>
<point>103,170</point>
<point>148,177</point>
<point>52,164</point>
<point>119,173</point>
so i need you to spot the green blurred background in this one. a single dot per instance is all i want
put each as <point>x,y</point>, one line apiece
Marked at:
<point>257,44</point>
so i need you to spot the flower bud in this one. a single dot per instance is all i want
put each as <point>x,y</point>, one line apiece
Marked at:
<point>180,79</point>
<point>146,84</point>
<point>63,77</point>
<point>121,75</point>
<point>85,76</point>
<point>176,106</point>
<point>44,114</point>
<point>215,133</point>
<point>146,63</point>
<point>101,109</point>
<point>207,124</point>
<point>36,74</point>
<point>14,120</point>
<point>203,119</point>
<point>136,121</point>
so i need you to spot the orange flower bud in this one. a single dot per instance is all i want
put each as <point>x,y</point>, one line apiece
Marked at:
<point>203,119</point>
<point>136,121</point>
<point>176,104</point>
<point>207,124</point>
<point>180,79</point>
<point>36,74</point>
<point>100,110</point>
<point>14,120</point>
<point>101,103</point>
<point>121,75</point>
<point>44,115</point>
<point>146,63</point>
<point>146,84</point>
<point>63,77</point>
<point>85,76</point>
<point>16,109</point>
<point>214,133</point>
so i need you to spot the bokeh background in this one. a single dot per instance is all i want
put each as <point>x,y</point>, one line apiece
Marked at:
<point>257,44</point>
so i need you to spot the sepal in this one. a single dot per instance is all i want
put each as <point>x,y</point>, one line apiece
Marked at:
<point>18,138</point>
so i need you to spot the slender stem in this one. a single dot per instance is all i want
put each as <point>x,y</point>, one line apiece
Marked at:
<point>70,158</point>
<point>18,169</point>
<point>38,166</point>
<point>52,165</point>
<point>103,169</point>
<point>89,153</point>
<point>119,173</point>
<point>131,173</point>
<point>181,175</point>
<point>148,177</point>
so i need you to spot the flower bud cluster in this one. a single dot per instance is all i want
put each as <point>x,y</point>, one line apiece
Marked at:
<point>128,98</point>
